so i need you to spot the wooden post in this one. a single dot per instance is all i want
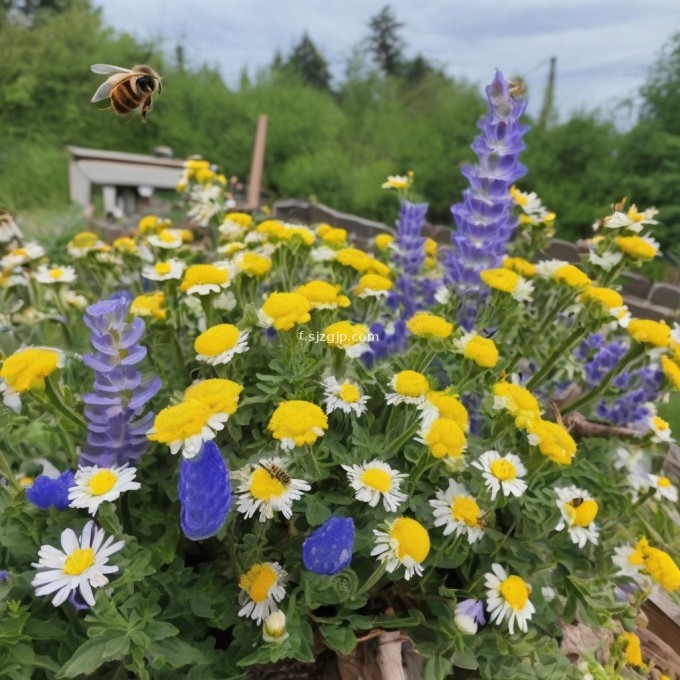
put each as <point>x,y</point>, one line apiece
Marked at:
<point>257,163</point>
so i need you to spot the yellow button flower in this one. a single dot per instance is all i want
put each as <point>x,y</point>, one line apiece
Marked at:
<point>332,236</point>
<point>504,280</point>
<point>443,437</point>
<point>406,542</point>
<point>518,401</point>
<point>323,295</point>
<point>202,279</point>
<point>443,405</point>
<point>373,285</point>
<point>479,349</point>
<point>426,325</point>
<point>126,245</point>
<point>638,247</point>
<point>553,440</point>
<point>296,423</point>
<point>217,395</point>
<point>672,371</point>
<point>572,276</point>
<point>520,265</point>
<point>631,649</point>
<point>410,387</point>
<point>361,262</point>
<point>151,304</point>
<point>350,337</point>
<point>27,368</point>
<point>252,264</point>
<point>609,299</point>
<point>383,241</point>
<point>654,333</point>
<point>284,310</point>
<point>218,344</point>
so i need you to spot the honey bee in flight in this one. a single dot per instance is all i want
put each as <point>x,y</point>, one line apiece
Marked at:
<point>276,472</point>
<point>128,89</point>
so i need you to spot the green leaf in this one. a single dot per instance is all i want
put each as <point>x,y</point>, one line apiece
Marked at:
<point>93,653</point>
<point>438,667</point>
<point>175,653</point>
<point>339,638</point>
<point>160,630</point>
<point>465,659</point>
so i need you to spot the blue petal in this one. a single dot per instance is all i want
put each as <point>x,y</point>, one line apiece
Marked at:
<point>46,492</point>
<point>328,550</point>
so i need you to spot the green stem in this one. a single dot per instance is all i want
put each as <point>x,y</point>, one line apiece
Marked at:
<point>6,471</point>
<point>57,401</point>
<point>378,573</point>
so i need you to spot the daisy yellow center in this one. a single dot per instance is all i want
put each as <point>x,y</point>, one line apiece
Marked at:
<point>584,514</point>
<point>264,487</point>
<point>102,482</point>
<point>79,561</point>
<point>258,582</point>
<point>349,393</point>
<point>412,539</point>
<point>162,268</point>
<point>503,470</point>
<point>56,273</point>
<point>465,509</point>
<point>20,252</point>
<point>663,482</point>
<point>660,423</point>
<point>515,592</point>
<point>377,479</point>
<point>166,237</point>
<point>217,339</point>
<point>411,384</point>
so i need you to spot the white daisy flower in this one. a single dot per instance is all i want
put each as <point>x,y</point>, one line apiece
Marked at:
<point>82,563</point>
<point>578,510</point>
<point>274,628</point>
<point>606,261</point>
<point>508,596</point>
<point>167,239</point>
<point>268,488</point>
<point>231,230</point>
<point>442,295</point>
<point>664,488</point>
<point>254,237</point>
<point>164,271</point>
<point>206,201</point>
<point>523,290</point>
<point>18,256</point>
<point>94,486</point>
<point>262,586</point>
<point>322,254</point>
<point>375,481</point>
<point>630,565</point>
<point>406,542</point>
<point>9,230</point>
<point>638,483</point>
<point>72,299</point>
<point>55,274</point>
<point>502,473</point>
<point>458,512</point>
<point>345,396</point>
<point>546,268</point>
<point>226,301</point>
<point>219,344</point>
<point>632,220</point>
<point>10,398</point>
<point>660,429</point>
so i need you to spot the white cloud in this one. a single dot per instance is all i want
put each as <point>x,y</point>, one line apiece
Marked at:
<point>602,46</point>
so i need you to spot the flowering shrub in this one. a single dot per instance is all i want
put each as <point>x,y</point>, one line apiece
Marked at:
<point>252,440</point>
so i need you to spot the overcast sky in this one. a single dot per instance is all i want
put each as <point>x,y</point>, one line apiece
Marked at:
<point>603,47</point>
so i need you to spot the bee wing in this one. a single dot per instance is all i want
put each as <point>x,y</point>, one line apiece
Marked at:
<point>103,92</point>
<point>108,69</point>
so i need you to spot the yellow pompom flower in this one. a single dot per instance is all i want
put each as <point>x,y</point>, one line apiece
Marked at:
<point>430,246</point>
<point>672,371</point>
<point>218,344</point>
<point>648,332</point>
<point>482,351</point>
<point>284,310</point>
<point>443,437</point>
<point>27,368</point>
<point>218,395</point>
<point>443,405</point>
<point>323,295</point>
<point>518,401</point>
<point>553,440</point>
<point>631,649</point>
<point>572,276</point>
<point>151,304</point>
<point>332,236</point>
<point>426,325</point>
<point>202,279</point>
<point>252,264</point>
<point>372,285</point>
<point>638,247</point>
<point>243,220</point>
<point>361,262</point>
<point>151,224</point>
<point>410,387</point>
<point>296,423</point>
<point>657,564</point>
<point>406,542</point>
<point>383,241</point>
<point>125,244</point>
<point>352,338</point>
<point>609,299</point>
<point>504,280</point>
<point>520,265</point>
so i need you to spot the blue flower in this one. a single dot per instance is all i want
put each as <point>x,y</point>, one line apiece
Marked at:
<point>469,615</point>
<point>204,493</point>
<point>45,491</point>
<point>328,550</point>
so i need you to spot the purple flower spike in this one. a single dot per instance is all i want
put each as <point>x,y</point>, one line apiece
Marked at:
<point>328,550</point>
<point>116,424</point>
<point>45,492</point>
<point>204,493</point>
<point>484,219</point>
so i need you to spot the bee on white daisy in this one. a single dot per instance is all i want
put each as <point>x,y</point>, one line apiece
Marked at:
<point>508,595</point>
<point>578,510</point>
<point>164,271</point>
<point>219,344</point>
<point>81,564</point>
<point>458,512</point>
<point>94,486</point>
<point>664,488</point>
<point>268,488</point>
<point>262,587</point>
<point>167,239</point>
<point>405,543</point>
<point>375,481</point>
<point>410,387</point>
<point>56,274</point>
<point>502,473</point>
<point>631,220</point>
<point>345,396</point>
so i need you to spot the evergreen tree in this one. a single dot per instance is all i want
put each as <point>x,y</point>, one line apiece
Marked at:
<point>384,43</point>
<point>307,62</point>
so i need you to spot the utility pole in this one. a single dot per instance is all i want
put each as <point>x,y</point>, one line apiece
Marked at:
<point>547,115</point>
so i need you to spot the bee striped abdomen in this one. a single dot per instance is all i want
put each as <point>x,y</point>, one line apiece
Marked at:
<point>124,98</point>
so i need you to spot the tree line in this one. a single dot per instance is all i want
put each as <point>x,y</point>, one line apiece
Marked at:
<point>332,141</point>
